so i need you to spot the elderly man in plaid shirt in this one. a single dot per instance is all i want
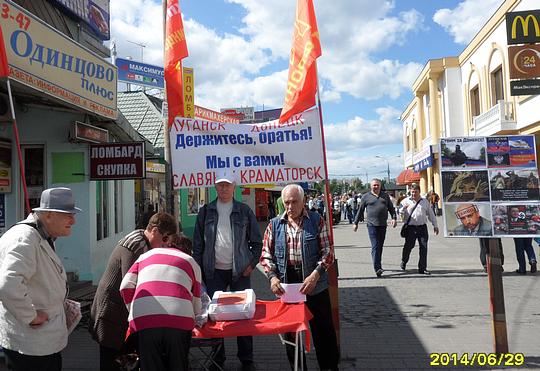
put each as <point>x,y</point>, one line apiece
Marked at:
<point>296,249</point>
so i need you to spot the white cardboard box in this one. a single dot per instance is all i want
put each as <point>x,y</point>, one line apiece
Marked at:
<point>232,305</point>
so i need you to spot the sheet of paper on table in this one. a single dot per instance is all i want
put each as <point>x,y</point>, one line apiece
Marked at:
<point>292,293</point>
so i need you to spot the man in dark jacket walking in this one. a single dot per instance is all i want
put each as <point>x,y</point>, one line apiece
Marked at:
<point>227,245</point>
<point>108,317</point>
<point>378,205</point>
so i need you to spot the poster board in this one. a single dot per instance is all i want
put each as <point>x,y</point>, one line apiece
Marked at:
<point>490,186</point>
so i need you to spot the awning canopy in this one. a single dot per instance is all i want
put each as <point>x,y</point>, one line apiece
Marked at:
<point>407,176</point>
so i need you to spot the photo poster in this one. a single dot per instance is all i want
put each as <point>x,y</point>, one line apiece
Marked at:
<point>490,186</point>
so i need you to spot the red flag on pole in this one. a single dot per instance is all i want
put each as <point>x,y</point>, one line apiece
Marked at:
<point>175,51</point>
<point>306,48</point>
<point>4,67</point>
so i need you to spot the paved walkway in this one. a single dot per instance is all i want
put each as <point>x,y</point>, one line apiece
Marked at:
<point>395,322</point>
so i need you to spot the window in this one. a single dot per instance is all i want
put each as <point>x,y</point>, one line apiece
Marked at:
<point>118,209</point>
<point>497,87</point>
<point>102,212</point>
<point>475,101</point>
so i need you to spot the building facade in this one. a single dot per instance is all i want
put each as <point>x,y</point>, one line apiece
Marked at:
<point>468,95</point>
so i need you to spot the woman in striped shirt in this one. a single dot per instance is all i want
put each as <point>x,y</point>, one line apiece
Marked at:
<point>162,291</point>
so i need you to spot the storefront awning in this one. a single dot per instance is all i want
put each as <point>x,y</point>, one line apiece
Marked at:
<point>407,176</point>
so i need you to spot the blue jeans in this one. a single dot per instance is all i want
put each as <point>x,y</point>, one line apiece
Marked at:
<point>376,236</point>
<point>222,281</point>
<point>524,245</point>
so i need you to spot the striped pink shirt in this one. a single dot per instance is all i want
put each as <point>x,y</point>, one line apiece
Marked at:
<point>162,289</point>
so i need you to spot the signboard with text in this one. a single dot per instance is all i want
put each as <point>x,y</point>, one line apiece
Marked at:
<point>524,61</point>
<point>422,160</point>
<point>269,152</point>
<point>138,73</point>
<point>117,161</point>
<point>48,61</point>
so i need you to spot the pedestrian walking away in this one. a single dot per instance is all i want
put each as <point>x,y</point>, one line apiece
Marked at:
<point>377,204</point>
<point>227,245</point>
<point>109,316</point>
<point>297,249</point>
<point>417,210</point>
<point>33,285</point>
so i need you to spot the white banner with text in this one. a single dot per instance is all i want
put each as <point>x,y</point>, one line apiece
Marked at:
<point>262,153</point>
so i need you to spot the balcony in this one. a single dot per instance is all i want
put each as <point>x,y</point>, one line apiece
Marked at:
<point>499,119</point>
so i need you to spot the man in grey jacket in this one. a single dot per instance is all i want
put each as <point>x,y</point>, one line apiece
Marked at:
<point>227,244</point>
<point>33,285</point>
<point>378,205</point>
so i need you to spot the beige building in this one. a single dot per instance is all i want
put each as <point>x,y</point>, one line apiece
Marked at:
<point>468,95</point>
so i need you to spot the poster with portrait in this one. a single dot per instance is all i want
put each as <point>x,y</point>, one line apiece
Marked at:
<point>514,185</point>
<point>459,186</point>
<point>463,152</point>
<point>490,186</point>
<point>511,151</point>
<point>516,219</point>
<point>468,219</point>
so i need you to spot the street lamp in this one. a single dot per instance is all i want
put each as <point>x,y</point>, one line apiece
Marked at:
<point>388,168</point>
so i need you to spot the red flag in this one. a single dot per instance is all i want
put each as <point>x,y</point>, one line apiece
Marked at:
<point>306,48</point>
<point>4,67</point>
<point>175,51</point>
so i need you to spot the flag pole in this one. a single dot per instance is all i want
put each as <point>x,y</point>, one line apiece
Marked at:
<point>18,144</point>
<point>333,270</point>
<point>169,192</point>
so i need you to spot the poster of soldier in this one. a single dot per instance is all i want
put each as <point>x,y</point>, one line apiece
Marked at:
<point>514,185</point>
<point>458,186</point>
<point>517,219</point>
<point>511,151</point>
<point>468,152</point>
<point>490,186</point>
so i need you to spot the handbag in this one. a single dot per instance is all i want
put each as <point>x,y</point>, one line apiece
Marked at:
<point>403,232</point>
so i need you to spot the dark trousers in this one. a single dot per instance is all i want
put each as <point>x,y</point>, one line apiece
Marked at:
<point>484,250</point>
<point>377,235</point>
<point>222,281</point>
<point>107,357</point>
<point>322,328</point>
<point>420,233</point>
<point>162,349</point>
<point>25,362</point>
<point>524,245</point>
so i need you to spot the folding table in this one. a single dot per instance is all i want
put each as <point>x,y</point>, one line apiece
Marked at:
<point>271,317</point>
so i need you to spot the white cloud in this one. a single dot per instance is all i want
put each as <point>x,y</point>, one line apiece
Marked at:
<point>466,19</point>
<point>359,133</point>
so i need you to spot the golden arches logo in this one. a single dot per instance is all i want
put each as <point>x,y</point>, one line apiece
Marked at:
<point>525,25</point>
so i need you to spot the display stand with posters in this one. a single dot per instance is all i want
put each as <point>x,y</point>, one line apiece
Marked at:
<point>490,186</point>
<point>490,190</point>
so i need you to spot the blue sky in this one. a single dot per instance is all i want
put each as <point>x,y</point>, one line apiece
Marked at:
<point>372,53</point>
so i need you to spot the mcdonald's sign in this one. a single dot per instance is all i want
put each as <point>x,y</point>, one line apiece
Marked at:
<point>523,27</point>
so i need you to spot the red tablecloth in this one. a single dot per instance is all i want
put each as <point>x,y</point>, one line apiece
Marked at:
<point>271,317</point>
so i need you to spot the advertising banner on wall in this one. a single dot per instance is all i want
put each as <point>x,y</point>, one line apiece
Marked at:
<point>490,186</point>
<point>262,153</point>
<point>48,61</point>
<point>94,13</point>
<point>422,159</point>
<point>138,73</point>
